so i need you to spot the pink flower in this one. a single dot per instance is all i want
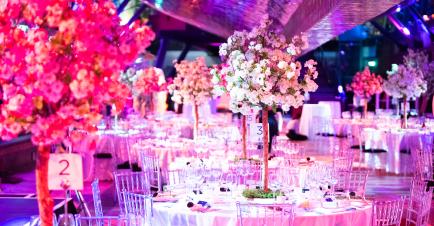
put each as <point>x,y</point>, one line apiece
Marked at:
<point>365,84</point>
<point>58,73</point>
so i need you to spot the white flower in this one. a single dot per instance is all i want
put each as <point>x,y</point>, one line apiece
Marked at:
<point>282,65</point>
<point>215,79</point>
<point>258,47</point>
<point>290,74</point>
<point>261,70</point>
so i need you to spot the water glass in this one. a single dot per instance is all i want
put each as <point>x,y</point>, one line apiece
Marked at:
<point>66,220</point>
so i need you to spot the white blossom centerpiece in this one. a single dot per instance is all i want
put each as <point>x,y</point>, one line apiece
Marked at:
<point>261,72</point>
<point>406,81</point>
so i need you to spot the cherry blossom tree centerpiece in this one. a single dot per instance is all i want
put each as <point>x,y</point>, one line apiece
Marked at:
<point>144,83</point>
<point>420,60</point>
<point>406,82</point>
<point>262,73</point>
<point>60,63</point>
<point>364,85</point>
<point>192,85</point>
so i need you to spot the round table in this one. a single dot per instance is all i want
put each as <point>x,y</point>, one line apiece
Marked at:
<point>393,141</point>
<point>310,111</point>
<point>224,213</point>
<point>335,107</point>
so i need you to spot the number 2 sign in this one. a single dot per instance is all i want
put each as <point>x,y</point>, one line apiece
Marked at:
<point>65,167</point>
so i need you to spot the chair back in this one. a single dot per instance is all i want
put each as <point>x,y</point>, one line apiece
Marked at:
<point>131,182</point>
<point>388,213</point>
<point>422,155</point>
<point>174,177</point>
<point>151,166</point>
<point>357,182</point>
<point>418,211</point>
<point>96,194</point>
<point>249,214</point>
<point>343,163</point>
<point>342,167</point>
<point>138,208</point>
<point>100,221</point>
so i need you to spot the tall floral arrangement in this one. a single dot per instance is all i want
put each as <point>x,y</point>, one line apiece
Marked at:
<point>419,59</point>
<point>405,81</point>
<point>192,85</point>
<point>364,85</point>
<point>261,72</point>
<point>262,69</point>
<point>60,63</point>
<point>429,78</point>
<point>149,81</point>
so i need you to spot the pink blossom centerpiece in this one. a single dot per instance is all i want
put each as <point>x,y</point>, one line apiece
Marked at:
<point>364,85</point>
<point>149,82</point>
<point>261,72</point>
<point>60,63</point>
<point>192,85</point>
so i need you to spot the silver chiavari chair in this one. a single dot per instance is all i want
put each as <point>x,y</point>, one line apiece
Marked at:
<point>357,182</point>
<point>151,166</point>
<point>422,157</point>
<point>249,214</point>
<point>138,208</point>
<point>131,182</point>
<point>388,213</point>
<point>418,210</point>
<point>342,166</point>
<point>96,194</point>
<point>100,221</point>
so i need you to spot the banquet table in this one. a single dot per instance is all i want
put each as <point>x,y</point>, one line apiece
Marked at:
<point>223,212</point>
<point>335,107</point>
<point>393,141</point>
<point>309,113</point>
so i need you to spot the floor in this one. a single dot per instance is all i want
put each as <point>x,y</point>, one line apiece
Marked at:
<point>380,182</point>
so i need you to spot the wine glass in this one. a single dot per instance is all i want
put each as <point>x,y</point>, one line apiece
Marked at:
<point>230,181</point>
<point>276,182</point>
<point>243,168</point>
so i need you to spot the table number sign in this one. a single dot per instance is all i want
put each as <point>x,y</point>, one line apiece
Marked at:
<point>65,168</point>
<point>256,132</point>
<point>250,118</point>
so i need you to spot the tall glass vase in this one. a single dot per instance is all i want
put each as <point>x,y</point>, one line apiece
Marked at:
<point>149,104</point>
<point>144,104</point>
<point>364,102</point>
<point>404,124</point>
<point>265,147</point>
<point>243,134</point>
<point>196,121</point>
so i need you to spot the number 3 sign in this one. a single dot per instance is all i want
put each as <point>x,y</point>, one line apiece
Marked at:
<point>65,167</point>
<point>256,132</point>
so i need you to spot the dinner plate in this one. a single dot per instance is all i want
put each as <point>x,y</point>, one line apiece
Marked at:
<point>165,199</point>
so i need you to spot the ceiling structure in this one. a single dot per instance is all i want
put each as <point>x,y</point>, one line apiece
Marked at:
<point>321,20</point>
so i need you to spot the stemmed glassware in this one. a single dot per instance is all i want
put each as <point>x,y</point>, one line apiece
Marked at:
<point>194,172</point>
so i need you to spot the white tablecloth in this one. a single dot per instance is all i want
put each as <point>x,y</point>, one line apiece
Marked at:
<point>177,214</point>
<point>393,141</point>
<point>335,107</point>
<point>311,111</point>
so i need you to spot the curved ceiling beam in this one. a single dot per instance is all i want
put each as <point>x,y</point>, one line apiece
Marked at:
<point>321,20</point>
